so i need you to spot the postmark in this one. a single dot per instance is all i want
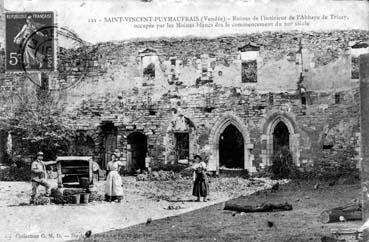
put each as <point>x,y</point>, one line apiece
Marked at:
<point>32,48</point>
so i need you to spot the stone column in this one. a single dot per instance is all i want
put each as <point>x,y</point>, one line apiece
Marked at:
<point>364,125</point>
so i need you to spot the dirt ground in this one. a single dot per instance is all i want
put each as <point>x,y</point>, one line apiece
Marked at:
<point>215,224</point>
<point>142,200</point>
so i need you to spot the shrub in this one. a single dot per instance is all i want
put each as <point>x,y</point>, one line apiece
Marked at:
<point>41,200</point>
<point>15,174</point>
<point>282,165</point>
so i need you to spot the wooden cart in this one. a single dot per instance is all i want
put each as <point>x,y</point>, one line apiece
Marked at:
<point>75,171</point>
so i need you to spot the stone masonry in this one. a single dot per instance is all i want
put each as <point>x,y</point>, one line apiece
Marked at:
<point>124,94</point>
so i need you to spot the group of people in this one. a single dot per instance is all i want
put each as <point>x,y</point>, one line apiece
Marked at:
<point>113,183</point>
<point>114,189</point>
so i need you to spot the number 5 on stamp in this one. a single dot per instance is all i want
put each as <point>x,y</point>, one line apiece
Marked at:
<point>29,41</point>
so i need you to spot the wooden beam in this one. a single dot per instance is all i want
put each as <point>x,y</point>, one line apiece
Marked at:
<point>59,170</point>
<point>268,207</point>
<point>351,211</point>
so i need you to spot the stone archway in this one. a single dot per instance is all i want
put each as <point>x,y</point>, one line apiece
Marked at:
<point>220,125</point>
<point>276,124</point>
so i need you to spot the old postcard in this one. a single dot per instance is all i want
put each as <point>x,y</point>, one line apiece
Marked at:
<point>182,120</point>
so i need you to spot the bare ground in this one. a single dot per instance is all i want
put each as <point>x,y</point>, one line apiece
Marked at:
<point>215,224</point>
<point>142,200</point>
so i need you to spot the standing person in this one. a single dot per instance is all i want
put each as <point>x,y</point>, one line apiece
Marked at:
<point>113,185</point>
<point>39,175</point>
<point>200,185</point>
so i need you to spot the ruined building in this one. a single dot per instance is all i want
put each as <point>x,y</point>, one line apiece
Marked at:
<point>235,100</point>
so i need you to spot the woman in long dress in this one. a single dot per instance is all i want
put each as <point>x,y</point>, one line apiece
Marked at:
<point>30,55</point>
<point>200,185</point>
<point>113,185</point>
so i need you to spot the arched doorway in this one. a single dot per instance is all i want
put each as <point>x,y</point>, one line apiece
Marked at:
<point>231,148</point>
<point>279,130</point>
<point>220,125</point>
<point>281,137</point>
<point>137,149</point>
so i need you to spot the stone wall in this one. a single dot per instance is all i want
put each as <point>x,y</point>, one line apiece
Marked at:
<point>105,83</point>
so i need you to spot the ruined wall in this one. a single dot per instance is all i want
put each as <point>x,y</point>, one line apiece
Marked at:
<point>276,71</point>
<point>105,82</point>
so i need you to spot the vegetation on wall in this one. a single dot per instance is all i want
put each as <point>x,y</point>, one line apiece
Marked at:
<point>36,125</point>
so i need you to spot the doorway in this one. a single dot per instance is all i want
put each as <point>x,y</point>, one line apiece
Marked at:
<point>109,132</point>
<point>182,146</point>
<point>3,141</point>
<point>231,148</point>
<point>281,138</point>
<point>137,149</point>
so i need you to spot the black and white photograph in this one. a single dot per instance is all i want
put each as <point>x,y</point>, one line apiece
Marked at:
<point>29,41</point>
<point>183,120</point>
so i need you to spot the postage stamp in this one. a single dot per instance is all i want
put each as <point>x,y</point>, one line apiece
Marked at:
<point>29,41</point>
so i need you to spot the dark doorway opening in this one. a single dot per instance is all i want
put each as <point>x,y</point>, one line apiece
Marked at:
<point>3,153</point>
<point>109,132</point>
<point>137,150</point>
<point>282,163</point>
<point>281,138</point>
<point>231,148</point>
<point>182,146</point>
